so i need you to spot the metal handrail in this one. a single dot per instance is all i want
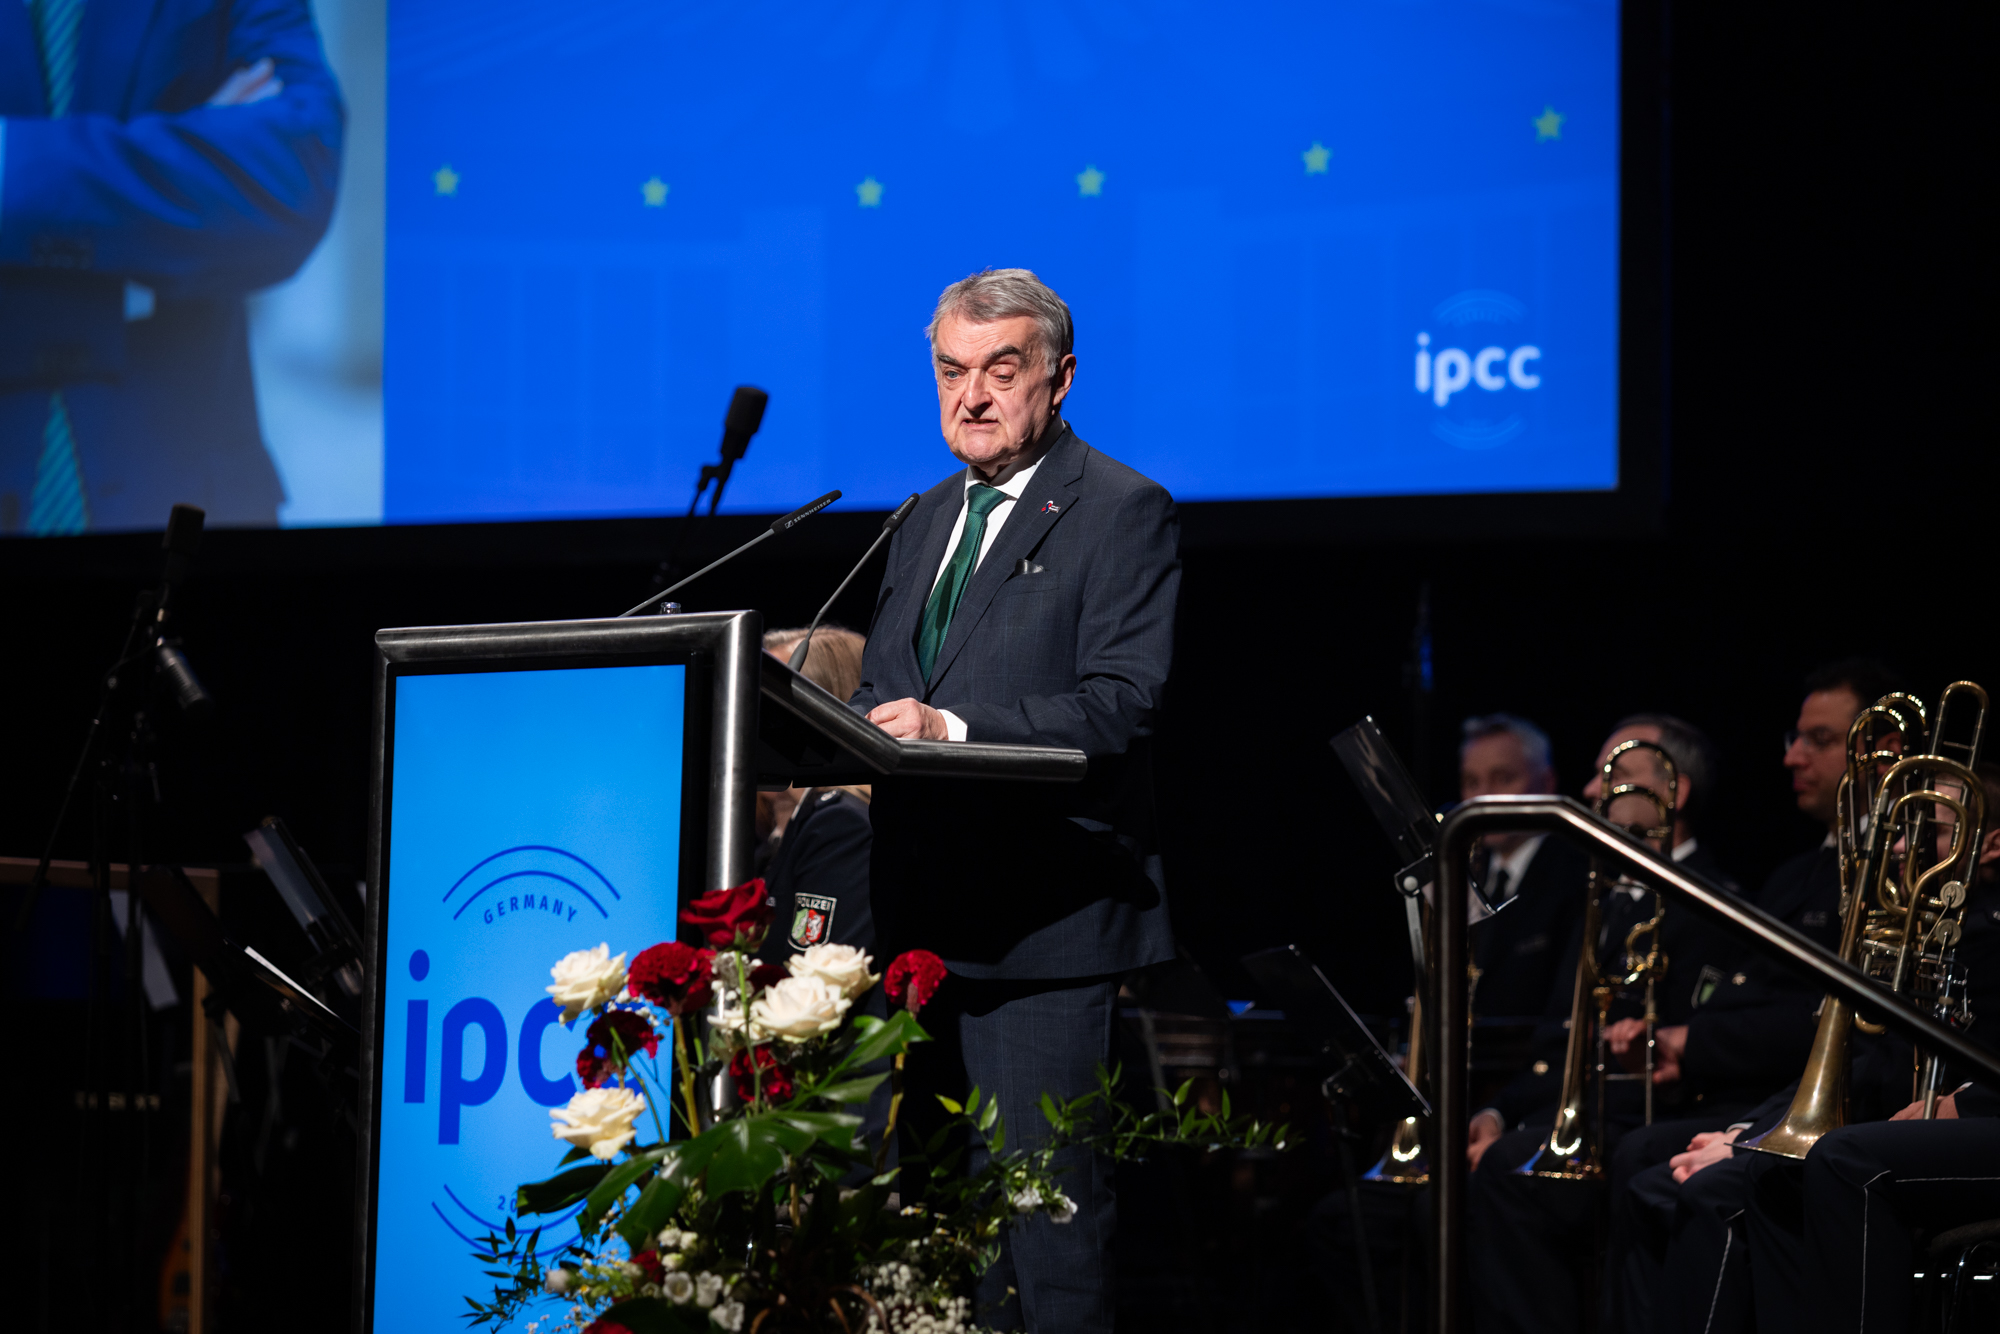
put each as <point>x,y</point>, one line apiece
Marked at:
<point>1738,916</point>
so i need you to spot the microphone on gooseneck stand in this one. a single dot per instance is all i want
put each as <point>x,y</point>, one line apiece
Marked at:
<point>786,524</point>
<point>889,526</point>
<point>745,416</point>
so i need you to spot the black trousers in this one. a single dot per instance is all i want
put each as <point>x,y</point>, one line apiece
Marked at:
<point>1015,1041</point>
<point>1866,1188</point>
<point>1643,1197</point>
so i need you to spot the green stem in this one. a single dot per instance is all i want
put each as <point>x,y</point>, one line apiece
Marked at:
<point>687,1077</point>
<point>895,1106</point>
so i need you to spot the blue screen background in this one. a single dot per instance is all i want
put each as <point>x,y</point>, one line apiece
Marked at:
<point>532,813</point>
<point>1254,211</point>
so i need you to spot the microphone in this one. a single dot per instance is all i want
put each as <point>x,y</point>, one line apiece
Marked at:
<point>889,526</point>
<point>783,525</point>
<point>746,414</point>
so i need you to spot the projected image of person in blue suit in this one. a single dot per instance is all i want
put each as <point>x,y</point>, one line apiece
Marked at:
<point>159,159</point>
<point>532,814</point>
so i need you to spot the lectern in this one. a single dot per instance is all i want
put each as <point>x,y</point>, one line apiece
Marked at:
<point>541,788</point>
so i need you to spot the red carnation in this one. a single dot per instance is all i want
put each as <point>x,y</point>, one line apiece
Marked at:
<point>732,918</point>
<point>649,1261</point>
<point>605,1325</point>
<point>913,979</point>
<point>598,1061</point>
<point>768,975</point>
<point>774,1079</point>
<point>674,976</point>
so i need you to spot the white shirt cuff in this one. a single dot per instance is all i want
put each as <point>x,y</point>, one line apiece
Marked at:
<point>954,726</point>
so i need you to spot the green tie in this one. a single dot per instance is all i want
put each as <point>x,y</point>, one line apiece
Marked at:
<point>57,504</point>
<point>979,503</point>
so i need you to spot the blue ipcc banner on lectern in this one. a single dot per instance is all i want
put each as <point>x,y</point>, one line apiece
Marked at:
<point>531,813</point>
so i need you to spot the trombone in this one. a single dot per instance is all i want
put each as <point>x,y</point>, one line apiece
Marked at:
<point>1902,932</point>
<point>1574,1150</point>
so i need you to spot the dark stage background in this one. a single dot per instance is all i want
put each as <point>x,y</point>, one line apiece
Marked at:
<point>1827,332</point>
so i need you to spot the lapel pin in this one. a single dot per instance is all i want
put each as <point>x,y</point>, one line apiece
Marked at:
<point>1050,507</point>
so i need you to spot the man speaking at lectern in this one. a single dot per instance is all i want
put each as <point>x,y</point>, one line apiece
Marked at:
<point>1029,600</point>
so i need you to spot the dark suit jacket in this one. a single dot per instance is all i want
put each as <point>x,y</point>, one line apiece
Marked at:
<point>1520,950</point>
<point>818,880</point>
<point>1063,636</point>
<point>1700,959</point>
<point>144,182</point>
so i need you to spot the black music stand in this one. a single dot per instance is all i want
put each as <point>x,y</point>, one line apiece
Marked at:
<point>1368,1073</point>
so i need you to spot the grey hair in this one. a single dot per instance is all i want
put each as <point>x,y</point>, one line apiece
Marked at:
<point>1003,294</point>
<point>1693,754</point>
<point>1534,741</point>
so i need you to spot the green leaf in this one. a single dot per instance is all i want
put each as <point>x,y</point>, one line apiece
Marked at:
<point>986,1118</point>
<point>657,1203</point>
<point>1181,1093</point>
<point>848,1090</point>
<point>879,1038</point>
<point>560,1192</point>
<point>972,1103</point>
<point>578,1152</point>
<point>750,1151</point>
<point>950,1105</point>
<point>616,1182</point>
<point>1049,1110</point>
<point>1225,1104</point>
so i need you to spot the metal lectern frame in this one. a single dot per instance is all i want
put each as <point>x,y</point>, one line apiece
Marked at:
<point>766,724</point>
<point>1735,915</point>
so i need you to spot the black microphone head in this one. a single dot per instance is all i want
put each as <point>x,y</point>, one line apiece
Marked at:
<point>746,414</point>
<point>903,512</point>
<point>184,530</point>
<point>803,512</point>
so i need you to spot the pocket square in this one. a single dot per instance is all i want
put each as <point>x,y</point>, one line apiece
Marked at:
<point>1026,566</point>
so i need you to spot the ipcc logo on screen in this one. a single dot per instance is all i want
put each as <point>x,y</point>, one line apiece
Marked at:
<point>1474,387</point>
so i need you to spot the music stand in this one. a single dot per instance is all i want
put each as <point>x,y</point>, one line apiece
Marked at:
<point>1302,991</point>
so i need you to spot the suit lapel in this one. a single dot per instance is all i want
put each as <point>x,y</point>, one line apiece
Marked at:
<point>21,91</point>
<point>108,54</point>
<point>1040,507</point>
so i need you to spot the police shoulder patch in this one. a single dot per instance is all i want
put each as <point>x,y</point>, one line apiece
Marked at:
<point>812,920</point>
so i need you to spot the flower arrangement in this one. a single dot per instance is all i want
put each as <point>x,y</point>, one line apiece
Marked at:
<point>749,1220</point>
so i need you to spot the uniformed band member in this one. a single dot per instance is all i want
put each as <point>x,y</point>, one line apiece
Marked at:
<point>1721,1240</point>
<point>817,876</point>
<point>1533,1240</point>
<point>1540,879</point>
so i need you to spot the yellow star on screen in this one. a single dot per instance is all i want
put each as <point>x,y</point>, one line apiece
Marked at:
<point>655,192</point>
<point>1548,125</point>
<point>445,179</point>
<point>1090,181</point>
<point>869,193</point>
<point>1316,157</point>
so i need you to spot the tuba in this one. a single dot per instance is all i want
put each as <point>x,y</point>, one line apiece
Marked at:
<point>1574,1150</point>
<point>1901,913</point>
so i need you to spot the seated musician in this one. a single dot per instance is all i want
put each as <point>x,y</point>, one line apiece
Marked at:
<point>1533,1240</point>
<point>1539,878</point>
<point>1720,1238</point>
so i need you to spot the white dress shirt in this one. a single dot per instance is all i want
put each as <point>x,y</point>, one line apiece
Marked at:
<point>996,518</point>
<point>1515,864</point>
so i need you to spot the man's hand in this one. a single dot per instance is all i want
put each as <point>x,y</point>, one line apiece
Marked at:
<point>1947,1110</point>
<point>1481,1135</point>
<point>1627,1040</point>
<point>251,84</point>
<point>1710,1146</point>
<point>909,720</point>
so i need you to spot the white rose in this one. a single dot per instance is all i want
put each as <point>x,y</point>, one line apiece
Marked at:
<point>586,979</point>
<point>729,1315</point>
<point>678,1288</point>
<point>556,1281</point>
<point>842,965</point>
<point>599,1120</point>
<point>798,1008</point>
<point>707,1289</point>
